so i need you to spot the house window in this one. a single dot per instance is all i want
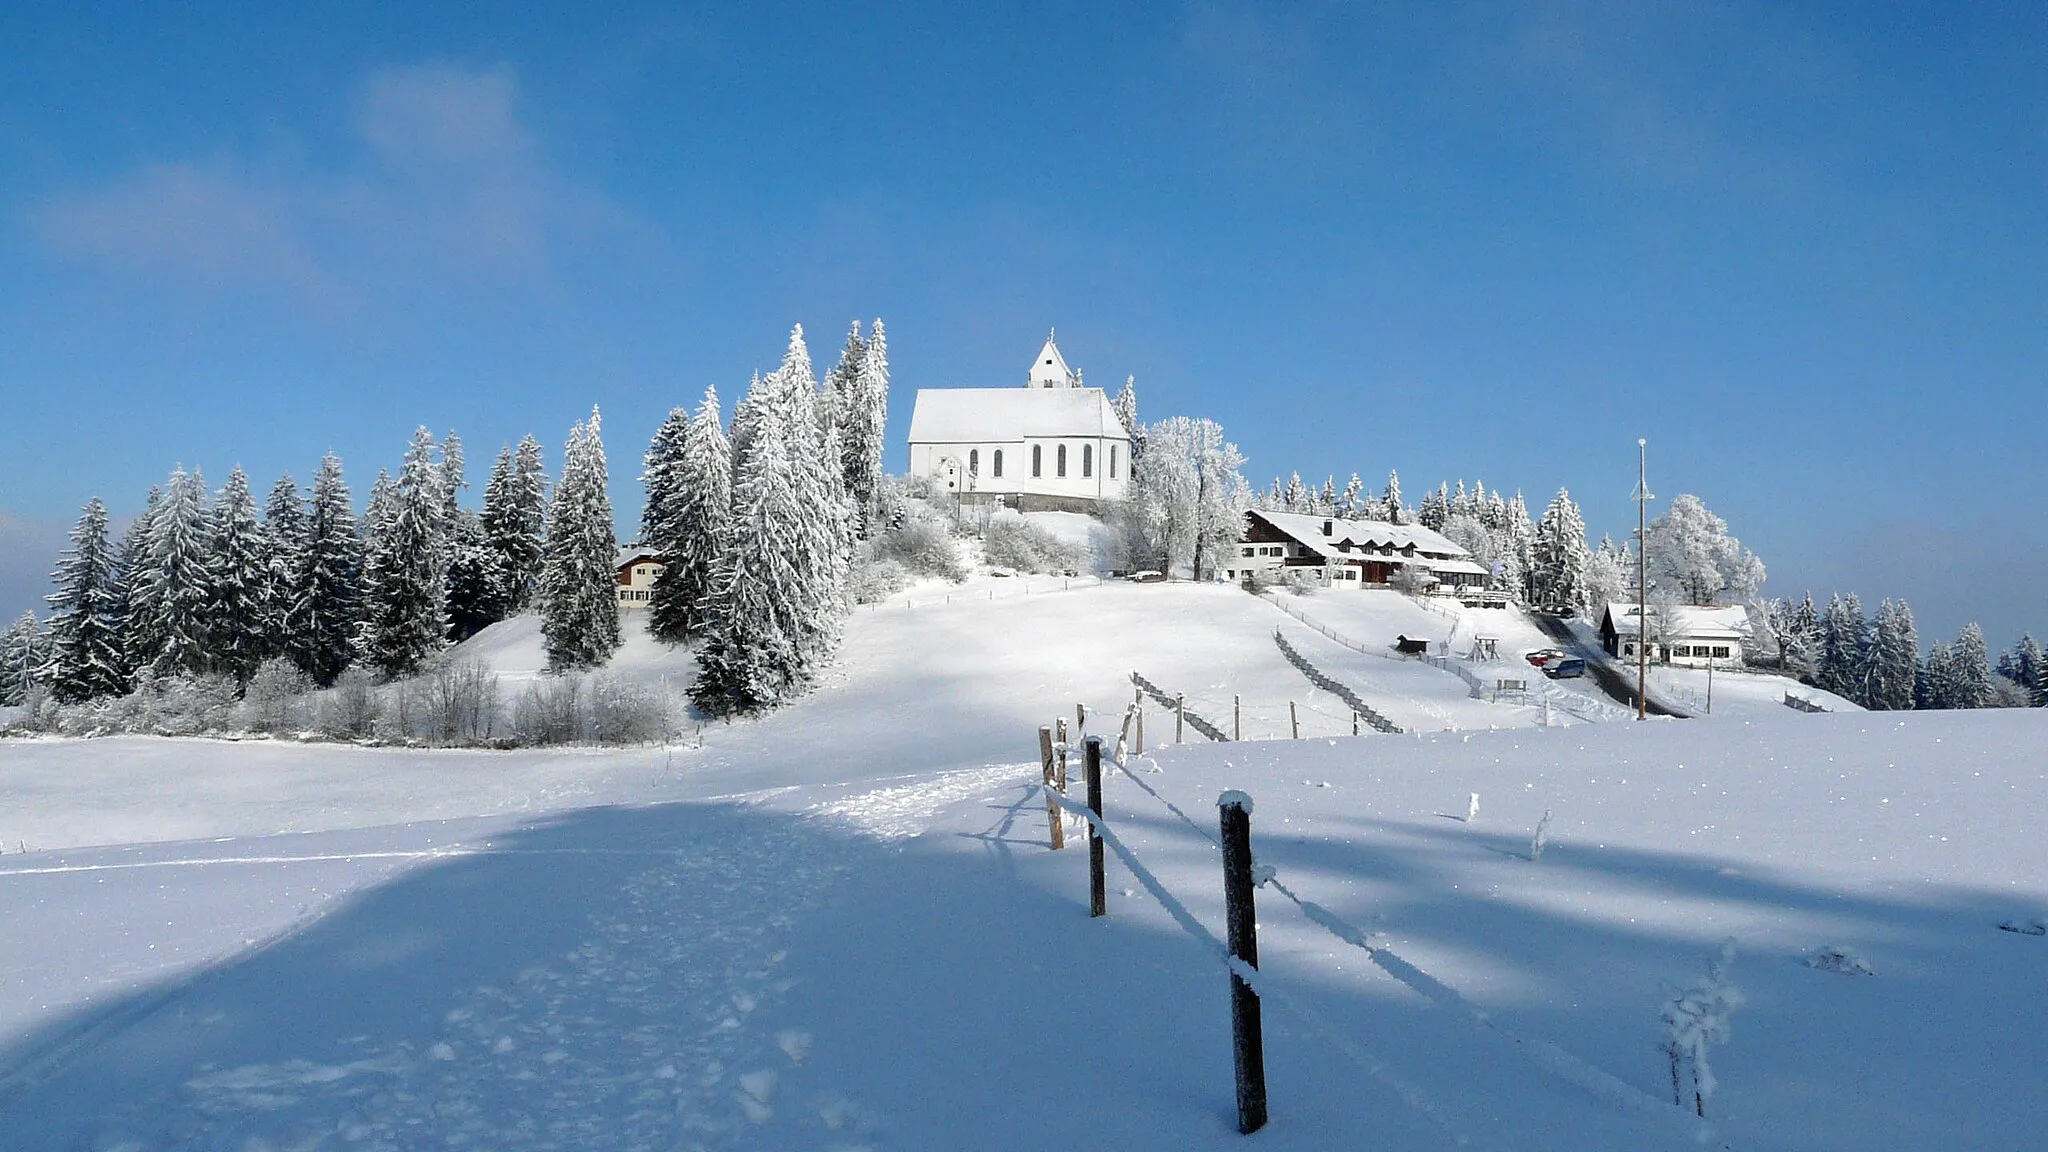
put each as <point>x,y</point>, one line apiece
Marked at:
<point>1684,650</point>
<point>1059,461</point>
<point>974,461</point>
<point>1112,461</point>
<point>1037,461</point>
<point>1720,650</point>
<point>1087,460</point>
<point>995,464</point>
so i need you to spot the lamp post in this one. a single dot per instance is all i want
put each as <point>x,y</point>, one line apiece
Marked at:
<point>1642,498</point>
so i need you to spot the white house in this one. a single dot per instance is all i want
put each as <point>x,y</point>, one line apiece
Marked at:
<point>1695,636</point>
<point>1349,553</point>
<point>637,567</point>
<point>1050,445</point>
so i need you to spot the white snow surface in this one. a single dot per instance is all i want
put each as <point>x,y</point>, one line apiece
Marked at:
<point>840,925</point>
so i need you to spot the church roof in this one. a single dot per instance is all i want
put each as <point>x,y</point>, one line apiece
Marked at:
<point>998,415</point>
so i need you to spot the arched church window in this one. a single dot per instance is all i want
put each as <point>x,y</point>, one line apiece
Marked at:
<point>1112,461</point>
<point>995,464</point>
<point>974,461</point>
<point>1087,461</point>
<point>1037,461</point>
<point>1059,461</point>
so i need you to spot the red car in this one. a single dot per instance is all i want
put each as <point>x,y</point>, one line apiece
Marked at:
<point>1543,656</point>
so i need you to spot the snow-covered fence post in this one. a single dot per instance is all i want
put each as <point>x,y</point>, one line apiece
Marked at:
<point>1237,717</point>
<point>1247,1043</point>
<point>1052,808</point>
<point>1180,717</point>
<point>1098,883</point>
<point>1081,718</point>
<point>1354,723</point>
<point>1293,722</point>
<point>1060,746</point>
<point>1140,707</point>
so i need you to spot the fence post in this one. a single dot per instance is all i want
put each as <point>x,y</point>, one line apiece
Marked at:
<point>1140,706</point>
<point>1081,718</point>
<point>1180,717</point>
<point>1062,745</point>
<point>1354,723</point>
<point>1293,722</point>
<point>1098,884</point>
<point>1052,808</point>
<point>1237,717</point>
<point>1247,1044</point>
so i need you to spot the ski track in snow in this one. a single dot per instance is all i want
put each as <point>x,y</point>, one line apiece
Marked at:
<point>644,1036</point>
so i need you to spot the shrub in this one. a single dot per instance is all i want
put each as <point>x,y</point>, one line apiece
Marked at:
<point>622,712</point>
<point>1014,542</point>
<point>349,710</point>
<point>924,547</point>
<point>872,581</point>
<point>274,701</point>
<point>196,705</point>
<point>546,712</point>
<point>458,702</point>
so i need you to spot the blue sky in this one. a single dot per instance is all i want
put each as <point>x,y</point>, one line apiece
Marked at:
<point>1801,249</point>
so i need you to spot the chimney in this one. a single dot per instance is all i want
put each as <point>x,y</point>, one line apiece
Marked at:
<point>1326,527</point>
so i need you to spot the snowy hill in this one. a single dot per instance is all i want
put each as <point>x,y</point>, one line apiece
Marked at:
<point>839,925</point>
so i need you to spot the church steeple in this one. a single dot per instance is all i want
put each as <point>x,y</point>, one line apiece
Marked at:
<point>1050,369</point>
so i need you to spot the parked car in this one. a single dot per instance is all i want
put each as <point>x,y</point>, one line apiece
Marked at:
<point>1542,656</point>
<point>1567,668</point>
<point>1148,576</point>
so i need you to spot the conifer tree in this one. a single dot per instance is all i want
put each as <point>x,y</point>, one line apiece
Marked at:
<point>284,570</point>
<point>1894,663</point>
<point>662,475</point>
<point>380,516</point>
<point>838,401</point>
<point>862,428</point>
<point>1559,558</point>
<point>514,518</point>
<point>1436,508</point>
<point>1126,406</point>
<point>692,533</point>
<point>132,564</point>
<point>1969,682</point>
<point>236,593</point>
<point>1351,501</point>
<point>476,582</point>
<point>84,642</point>
<point>1296,497</point>
<point>24,654</point>
<point>578,604</point>
<point>176,581</point>
<point>321,639</point>
<point>406,604</point>
<point>2028,662</point>
<point>1845,642</point>
<point>1391,510</point>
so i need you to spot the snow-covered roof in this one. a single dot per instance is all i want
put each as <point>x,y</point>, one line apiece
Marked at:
<point>1050,369</point>
<point>1467,567</point>
<point>1724,623</point>
<point>628,553</point>
<point>995,415</point>
<point>1362,534</point>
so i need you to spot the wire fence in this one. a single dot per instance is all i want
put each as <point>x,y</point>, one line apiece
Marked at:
<point>1545,1055</point>
<point>1330,684</point>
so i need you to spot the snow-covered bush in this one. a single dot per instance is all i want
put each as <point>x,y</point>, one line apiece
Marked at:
<point>622,712</point>
<point>872,581</point>
<point>546,712</point>
<point>275,699</point>
<point>1694,1018</point>
<point>458,702</point>
<point>1412,580</point>
<point>924,547</point>
<point>1300,581</point>
<point>349,710</point>
<point>195,705</point>
<point>1015,542</point>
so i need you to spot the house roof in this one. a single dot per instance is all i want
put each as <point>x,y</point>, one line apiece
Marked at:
<point>632,553</point>
<point>1723,623</point>
<point>998,415</point>
<point>1371,534</point>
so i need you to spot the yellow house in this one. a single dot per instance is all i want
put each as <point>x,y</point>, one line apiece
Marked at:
<point>637,569</point>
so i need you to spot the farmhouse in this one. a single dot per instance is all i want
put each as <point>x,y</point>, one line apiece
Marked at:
<point>1052,445</point>
<point>1350,553</point>
<point>637,567</point>
<point>1695,636</point>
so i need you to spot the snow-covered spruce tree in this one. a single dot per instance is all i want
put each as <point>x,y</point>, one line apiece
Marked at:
<point>1189,501</point>
<point>85,642</point>
<point>406,599</point>
<point>661,475</point>
<point>825,542</point>
<point>1436,508</point>
<point>578,602</point>
<point>1391,510</point>
<point>284,570</point>
<point>176,581</point>
<point>1894,662</point>
<point>1559,558</point>
<point>476,583</point>
<point>692,533</point>
<point>837,400</point>
<point>380,516</point>
<point>861,427</point>
<point>235,606</point>
<point>1691,553</point>
<point>758,615</point>
<point>321,639</point>
<point>1296,498</point>
<point>1351,504</point>
<point>1963,678</point>
<point>24,654</point>
<point>514,520</point>
<point>131,566</point>
<point>1126,407</point>
<point>1844,648</point>
<point>2030,670</point>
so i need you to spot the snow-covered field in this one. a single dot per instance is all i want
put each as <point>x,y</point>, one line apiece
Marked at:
<point>840,926</point>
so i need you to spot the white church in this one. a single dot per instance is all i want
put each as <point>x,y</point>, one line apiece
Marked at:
<point>1052,445</point>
